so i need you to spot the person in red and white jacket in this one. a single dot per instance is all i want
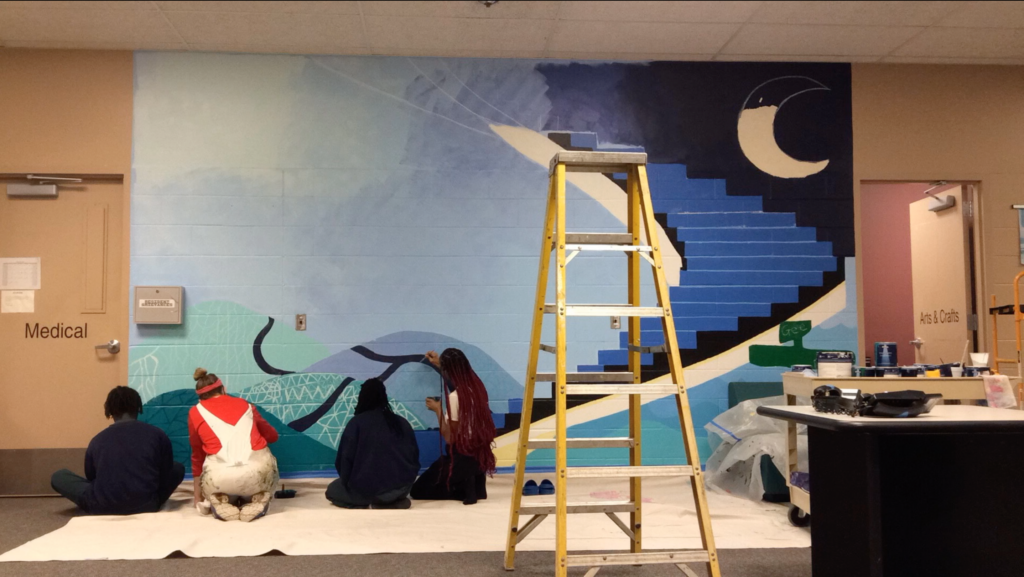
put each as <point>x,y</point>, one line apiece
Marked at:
<point>232,466</point>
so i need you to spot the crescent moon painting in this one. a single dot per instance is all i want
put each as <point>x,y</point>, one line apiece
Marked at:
<point>756,127</point>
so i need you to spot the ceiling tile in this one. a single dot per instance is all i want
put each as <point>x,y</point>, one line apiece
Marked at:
<point>79,5</point>
<point>966,43</point>
<point>796,40</point>
<point>463,9</point>
<point>988,15</point>
<point>855,13</point>
<point>633,37</point>
<point>270,49</point>
<point>85,26</point>
<point>442,53</point>
<point>280,29</point>
<point>791,58</point>
<point>278,7</point>
<point>659,11</point>
<point>924,60</point>
<point>433,34</point>
<point>140,45</point>
<point>620,56</point>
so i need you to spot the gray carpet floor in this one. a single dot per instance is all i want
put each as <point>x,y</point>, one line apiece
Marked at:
<point>22,520</point>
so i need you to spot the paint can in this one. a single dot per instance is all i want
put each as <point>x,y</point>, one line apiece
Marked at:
<point>911,372</point>
<point>801,368</point>
<point>835,364</point>
<point>885,354</point>
<point>890,372</point>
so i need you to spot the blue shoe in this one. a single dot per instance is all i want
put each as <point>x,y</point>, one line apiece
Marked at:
<point>547,487</point>
<point>530,489</point>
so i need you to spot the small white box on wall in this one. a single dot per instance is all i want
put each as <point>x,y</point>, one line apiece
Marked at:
<point>158,305</point>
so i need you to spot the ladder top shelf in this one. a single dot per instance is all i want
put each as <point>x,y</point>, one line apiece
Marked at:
<point>605,162</point>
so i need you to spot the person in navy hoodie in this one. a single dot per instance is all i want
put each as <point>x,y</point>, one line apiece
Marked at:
<point>378,457</point>
<point>129,466</point>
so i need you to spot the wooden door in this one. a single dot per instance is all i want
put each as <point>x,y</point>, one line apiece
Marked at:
<point>941,280</point>
<point>53,378</point>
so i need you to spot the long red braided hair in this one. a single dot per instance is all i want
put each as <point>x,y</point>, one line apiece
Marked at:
<point>475,435</point>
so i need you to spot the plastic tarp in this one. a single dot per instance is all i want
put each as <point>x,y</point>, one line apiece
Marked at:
<point>740,437</point>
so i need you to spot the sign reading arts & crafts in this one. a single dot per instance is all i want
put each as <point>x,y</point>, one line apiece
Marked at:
<point>939,317</point>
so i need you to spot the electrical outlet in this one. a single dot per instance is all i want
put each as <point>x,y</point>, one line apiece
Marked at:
<point>616,323</point>
<point>300,322</point>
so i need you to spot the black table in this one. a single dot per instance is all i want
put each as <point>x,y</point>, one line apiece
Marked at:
<point>933,496</point>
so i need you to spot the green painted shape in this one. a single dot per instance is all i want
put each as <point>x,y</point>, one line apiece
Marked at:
<point>783,356</point>
<point>794,332</point>
<point>217,335</point>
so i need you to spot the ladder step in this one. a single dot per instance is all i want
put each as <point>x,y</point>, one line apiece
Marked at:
<point>606,311</point>
<point>548,348</point>
<point>641,389</point>
<point>628,472</point>
<point>579,507</point>
<point>587,377</point>
<point>623,238</point>
<point>585,443</point>
<point>606,247</point>
<point>598,560</point>
<point>606,162</point>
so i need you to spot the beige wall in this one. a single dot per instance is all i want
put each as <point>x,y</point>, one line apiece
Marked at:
<point>70,112</point>
<point>965,123</point>
<point>65,111</point>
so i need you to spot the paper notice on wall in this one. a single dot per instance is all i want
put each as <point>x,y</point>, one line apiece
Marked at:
<point>17,302</point>
<point>20,274</point>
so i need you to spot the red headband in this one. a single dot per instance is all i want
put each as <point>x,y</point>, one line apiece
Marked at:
<point>210,388</point>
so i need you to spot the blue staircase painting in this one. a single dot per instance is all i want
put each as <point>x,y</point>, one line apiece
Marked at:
<point>739,262</point>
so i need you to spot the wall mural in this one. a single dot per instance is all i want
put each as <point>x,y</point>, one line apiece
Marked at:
<point>398,203</point>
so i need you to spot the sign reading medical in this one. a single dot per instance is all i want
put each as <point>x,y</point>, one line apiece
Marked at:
<point>58,331</point>
<point>939,317</point>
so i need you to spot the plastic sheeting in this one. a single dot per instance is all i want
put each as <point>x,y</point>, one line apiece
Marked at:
<point>742,437</point>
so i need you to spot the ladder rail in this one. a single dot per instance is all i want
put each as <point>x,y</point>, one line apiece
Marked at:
<point>676,368</point>
<point>633,215</point>
<point>561,511</point>
<point>531,373</point>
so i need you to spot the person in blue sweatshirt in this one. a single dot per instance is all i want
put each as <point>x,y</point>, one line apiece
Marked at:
<point>129,466</point>
<point>378,457</point>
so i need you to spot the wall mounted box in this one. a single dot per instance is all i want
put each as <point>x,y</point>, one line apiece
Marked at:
<point>158,305</point>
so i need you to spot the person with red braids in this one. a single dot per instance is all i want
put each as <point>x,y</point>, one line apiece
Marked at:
<point>468,431</point>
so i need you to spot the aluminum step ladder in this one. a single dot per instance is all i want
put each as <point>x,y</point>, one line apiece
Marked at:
<point>567,245</point>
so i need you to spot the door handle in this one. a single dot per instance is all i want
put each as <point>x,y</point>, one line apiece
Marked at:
<point>917,342</point>
<point>113,347</point>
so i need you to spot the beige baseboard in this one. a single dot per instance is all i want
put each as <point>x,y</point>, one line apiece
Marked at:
<point>26,472</point>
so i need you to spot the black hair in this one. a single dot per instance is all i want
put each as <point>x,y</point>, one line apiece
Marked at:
<point>122,401</point>
<point>374,396</point>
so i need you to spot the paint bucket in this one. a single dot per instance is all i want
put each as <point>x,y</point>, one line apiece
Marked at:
<point>890,372</point>
<point>971,372</point>
<point>835,364</point>
<point>911,372</point>
<point>979,359</point>
<point>885,354</point>
<point>801,368</point>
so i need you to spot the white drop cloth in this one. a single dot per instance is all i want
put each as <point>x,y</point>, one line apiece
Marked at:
<point>309,525</point>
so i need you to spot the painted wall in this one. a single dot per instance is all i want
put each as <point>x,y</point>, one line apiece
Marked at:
<point>398,203</point>
<point>926,123</point>
<point>888,287</point>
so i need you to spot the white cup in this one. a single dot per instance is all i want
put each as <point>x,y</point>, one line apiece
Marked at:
<point>979,359</point>
<point>957,372</point>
